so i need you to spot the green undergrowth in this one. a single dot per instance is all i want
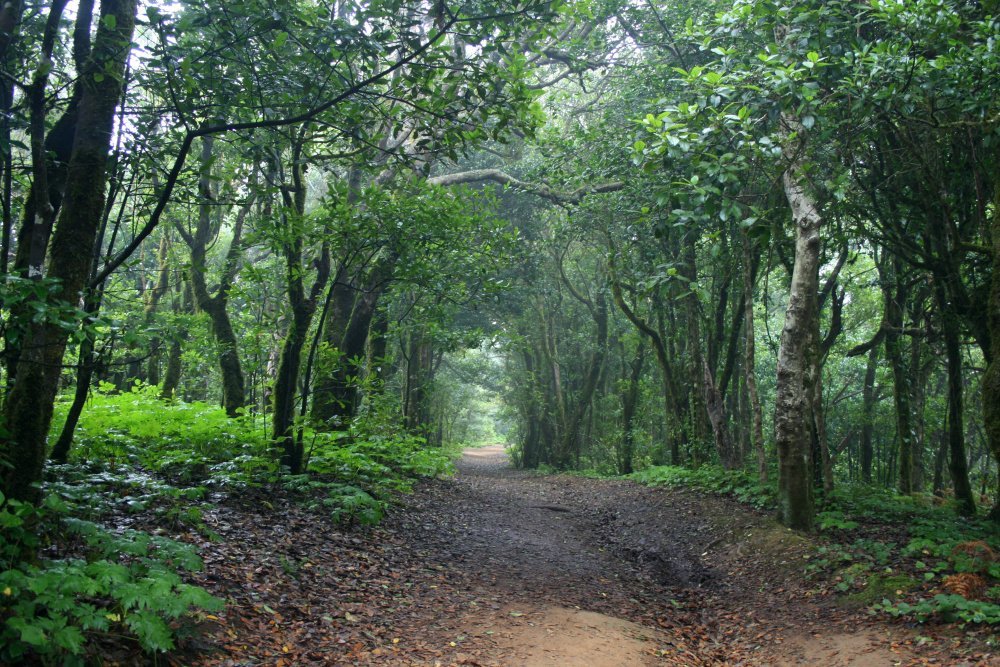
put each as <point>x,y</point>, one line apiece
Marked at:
<point>74,576</point>
<point>893,554</point>
<point>195,446</point>
<point>740,484</point>
<point>66,581</point>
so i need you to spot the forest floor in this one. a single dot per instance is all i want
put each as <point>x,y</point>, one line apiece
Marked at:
<point>505,567</point>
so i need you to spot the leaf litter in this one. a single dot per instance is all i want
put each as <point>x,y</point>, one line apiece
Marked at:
<point>473,570</point>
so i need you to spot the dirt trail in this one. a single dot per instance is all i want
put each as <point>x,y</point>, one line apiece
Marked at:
<point>563,570</point>
<point>499,567</point>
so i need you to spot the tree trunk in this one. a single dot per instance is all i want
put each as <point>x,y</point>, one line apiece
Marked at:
<point>28,414</point>
<point>991,379</point>
<point>336,395</point>
<point>662,359</point>
<point>284,394</point>
<point>570,445</point>
<point>51,151</point>
<point>750,345</point>
<point>868,415</point>
<point>630,401</point>
<point>331,389</point>
<point>155,294</point>
<point>894,295</point>
<point>793,391</point>
<point>715,407</point>
<point>215,306</point>
<point>957,463</point>
<point>172,374</point>
<point>303,307</point>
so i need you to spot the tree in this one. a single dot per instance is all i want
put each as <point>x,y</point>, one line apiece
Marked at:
<point>28,411</point>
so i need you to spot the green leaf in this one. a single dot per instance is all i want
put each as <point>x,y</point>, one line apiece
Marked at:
<point>30,633</point>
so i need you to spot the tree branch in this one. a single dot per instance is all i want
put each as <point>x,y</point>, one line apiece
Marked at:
<point>538,189</point>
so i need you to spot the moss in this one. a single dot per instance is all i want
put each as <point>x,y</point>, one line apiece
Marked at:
<point>880,587</point>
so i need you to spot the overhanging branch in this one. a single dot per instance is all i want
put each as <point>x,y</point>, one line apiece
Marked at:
<point>538,189</point>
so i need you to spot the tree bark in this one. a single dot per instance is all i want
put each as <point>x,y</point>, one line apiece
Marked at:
<point>868,416</point>
<point>182,303</point>
<point>28,414</point>
<point>750,347</point>
<point>152,303</point>
<point>347,330</point>
<point>630,402</point>
<point>662,359</point>
<point>216,306</point>
<point>570,445</point>
<point>991,379</point>
<point>894,296</point>
<point>303,306</point>
<point>793,391</point>
<point>957,463</point>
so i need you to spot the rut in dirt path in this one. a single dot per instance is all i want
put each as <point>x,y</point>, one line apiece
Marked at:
<point>548,535</point>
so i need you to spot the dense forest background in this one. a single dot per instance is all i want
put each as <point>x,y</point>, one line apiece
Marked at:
<point>758,237</point>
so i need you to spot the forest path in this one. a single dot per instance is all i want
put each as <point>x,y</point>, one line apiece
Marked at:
<point>501,567</point>
<point>565,570</point>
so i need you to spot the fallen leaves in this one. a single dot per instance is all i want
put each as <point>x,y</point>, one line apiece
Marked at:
<point>443,577</point>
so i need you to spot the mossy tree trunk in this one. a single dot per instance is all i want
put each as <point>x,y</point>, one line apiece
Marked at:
<point>216,306</point>
<point>868,416</point>
<point>991,379</point>
<point>303,304</point>
<point>750,360</point>
<point>630,403</point>
<point>335,396</point>
<point>28,413</point>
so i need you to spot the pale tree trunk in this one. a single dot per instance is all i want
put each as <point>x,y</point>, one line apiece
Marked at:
<point>750,345</point>
<point>716,409</point>
<point>793,391</point>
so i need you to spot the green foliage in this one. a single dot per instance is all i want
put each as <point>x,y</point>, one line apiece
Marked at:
<point>741,484</point>
<point>122,583</point>
<point>947,607</point>
<point>834,520</point>
<point>862,562</point>
<point>180,440</point>
<point>358,471</point>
